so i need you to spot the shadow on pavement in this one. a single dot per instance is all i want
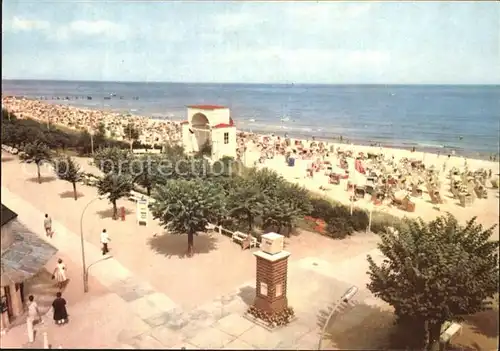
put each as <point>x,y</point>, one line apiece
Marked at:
<point>484,323</point>
<point>358,327</point>
<point>70,195</point>
<point>247,294</point>
<point>7,159</point>
<point>42,179</point>
<point>176,245</point>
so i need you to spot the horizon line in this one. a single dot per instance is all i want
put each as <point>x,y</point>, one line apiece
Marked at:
<point>241,83</point>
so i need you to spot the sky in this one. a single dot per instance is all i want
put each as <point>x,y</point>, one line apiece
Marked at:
<point>253,42</point>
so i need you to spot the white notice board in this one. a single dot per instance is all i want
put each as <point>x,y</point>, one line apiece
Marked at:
<point>142,211</point>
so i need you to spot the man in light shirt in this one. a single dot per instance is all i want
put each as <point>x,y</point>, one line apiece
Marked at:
<point>33,315</point>
<point>47,224</point>
<point>105,241</point>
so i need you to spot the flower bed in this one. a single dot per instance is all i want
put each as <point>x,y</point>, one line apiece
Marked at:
<point>273,320</point>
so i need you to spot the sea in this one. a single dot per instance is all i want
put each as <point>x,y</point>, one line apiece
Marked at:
<point>430,118</point>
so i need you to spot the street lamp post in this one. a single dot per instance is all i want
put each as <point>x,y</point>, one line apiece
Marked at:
<point>84,265</point>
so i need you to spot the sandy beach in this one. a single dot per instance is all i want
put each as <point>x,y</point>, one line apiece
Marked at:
<point>329,169</point>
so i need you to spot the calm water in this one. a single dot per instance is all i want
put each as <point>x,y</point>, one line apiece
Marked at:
<point>463,118</point>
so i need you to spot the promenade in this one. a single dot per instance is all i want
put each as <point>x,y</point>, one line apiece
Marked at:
<point>127,309</point>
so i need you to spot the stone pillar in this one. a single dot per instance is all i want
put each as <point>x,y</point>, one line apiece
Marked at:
<point>271,286</point>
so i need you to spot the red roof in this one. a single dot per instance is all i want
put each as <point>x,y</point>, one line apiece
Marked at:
<point>207,107</point>
<point>184,122</point>
<point>225,125</point>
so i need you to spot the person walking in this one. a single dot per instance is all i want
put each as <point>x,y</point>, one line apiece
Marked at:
<point>59,308</point>
<point>33,315</point>
<point>59,274</point>
<point>105,241</point>
<point>47,224</point>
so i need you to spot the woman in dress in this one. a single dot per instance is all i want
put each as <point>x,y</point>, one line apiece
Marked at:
<point>59,308</point>
<point>60,274</point>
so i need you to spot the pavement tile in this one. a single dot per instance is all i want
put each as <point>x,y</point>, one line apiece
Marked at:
<point>158,319</point>
<point>294,330</point>
<point>185,345</point>
<point>260,338</point>
<point>161,301</point>
<point>234,324</point>
<point>198,319</point>
<point>135,327</point>
<point>176,319</point>
<point>128,296</point>
<point>143,308</point>
<point>237,344</point>
<point>309,341</point>
<point>146,341</point>
<point>237,306</point>
<point>211,338</point>
<point>166,336</point>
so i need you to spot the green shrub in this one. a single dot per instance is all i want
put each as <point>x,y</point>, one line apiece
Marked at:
<point>381,221</point>
<point>359,219</point>
<point>339,228</point>
<point>321,208</point>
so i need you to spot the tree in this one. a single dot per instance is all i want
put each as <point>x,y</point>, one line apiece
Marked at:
<point>435,272</point>
<point>117,186</point>
<point>113,159</point>
<point>146,171</point>
<point>173,151</point>
<point>68,170</point>
<point>187,206</point>
<point>131,133</point>
<point>245,200</point>
<point>37,152</point>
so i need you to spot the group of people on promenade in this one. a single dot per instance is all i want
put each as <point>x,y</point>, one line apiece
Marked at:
<point>59,275</point>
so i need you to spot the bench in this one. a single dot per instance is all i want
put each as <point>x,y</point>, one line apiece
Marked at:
<point>245,240</point>
<point>210,227</point>
<point>134,196</point>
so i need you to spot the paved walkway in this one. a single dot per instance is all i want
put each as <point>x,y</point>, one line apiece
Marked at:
<point>134,315</point>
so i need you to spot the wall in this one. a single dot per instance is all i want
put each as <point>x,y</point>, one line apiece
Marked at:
<point>220,149</point>
<point>187,138</point>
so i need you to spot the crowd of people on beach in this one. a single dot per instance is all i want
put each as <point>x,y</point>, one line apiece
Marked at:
<point>152,131</point>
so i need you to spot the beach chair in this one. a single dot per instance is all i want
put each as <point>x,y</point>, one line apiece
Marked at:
<point>494,183</point>
<point>435,197</point>
<point>407,205</point>
<point>370,189</point>
<point>481,192</point>
<point>455,190</point>
<point>359,192</point>
<point>466,200</point>
<point>416,191</point>
<point>334,179</point>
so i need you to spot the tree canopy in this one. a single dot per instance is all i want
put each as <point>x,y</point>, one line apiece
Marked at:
<point>435,272</point>
<point>116,186</point>
<point>187,206</point>
<point>37,152</point>
<point>113,159</point>
<point>67,169</point>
